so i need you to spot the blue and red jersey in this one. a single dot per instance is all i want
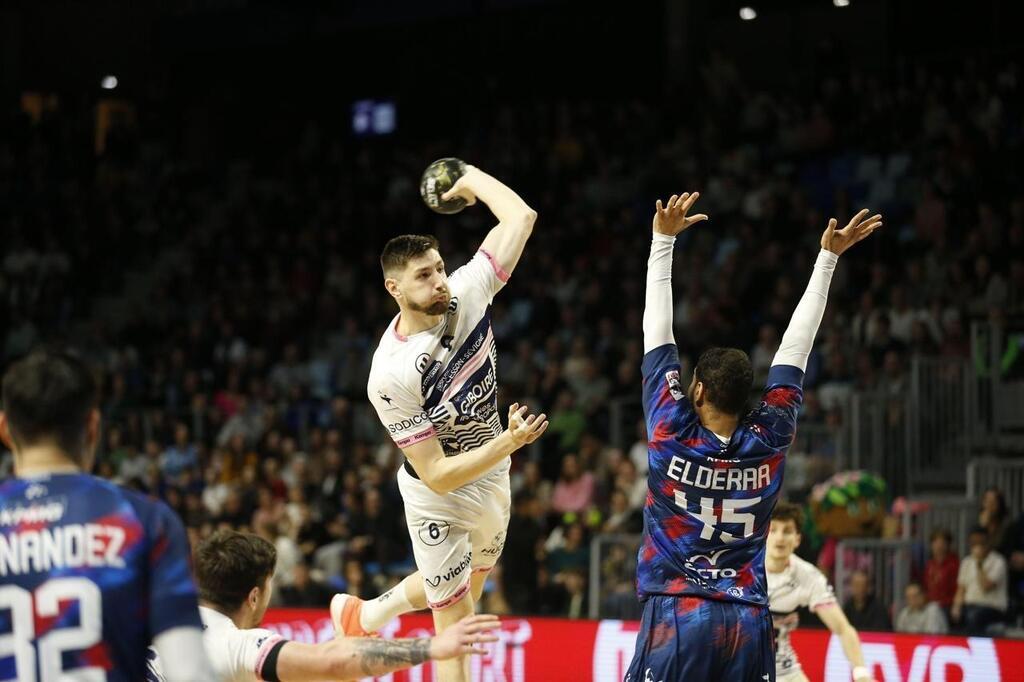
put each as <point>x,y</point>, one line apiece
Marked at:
<point>709,500</point>
<point>90,574</point>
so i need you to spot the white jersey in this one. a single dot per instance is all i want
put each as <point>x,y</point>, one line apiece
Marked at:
<point>801,584</point>
<point>236,655</point>
<point>442,382</point>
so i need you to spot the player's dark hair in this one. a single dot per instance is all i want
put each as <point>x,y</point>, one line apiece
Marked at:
<point>787,511</point>
<point>941,533</point>
<point>727,376</point>
<point>401,249</point>
<point>48,396</point>
<point>229,564</point>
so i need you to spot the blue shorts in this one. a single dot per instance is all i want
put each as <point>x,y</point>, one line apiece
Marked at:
<point>691,638</point>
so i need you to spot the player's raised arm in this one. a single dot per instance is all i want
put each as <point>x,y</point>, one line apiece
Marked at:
<point>669,221</point>
<point>505,242</point>
<point>803,326</point>
<point>444,474</point>
<point>351,658</point>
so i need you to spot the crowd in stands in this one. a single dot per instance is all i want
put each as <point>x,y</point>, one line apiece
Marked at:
<point>231,305</point>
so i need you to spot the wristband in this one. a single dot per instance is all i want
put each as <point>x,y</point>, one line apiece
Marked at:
<point>861,672</point>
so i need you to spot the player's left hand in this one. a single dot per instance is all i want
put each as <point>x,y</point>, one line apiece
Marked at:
<point>671,219</point>
<point>465,637</point>
<point>859,227</point>
<point>523,427</point>
<point>463,187</point>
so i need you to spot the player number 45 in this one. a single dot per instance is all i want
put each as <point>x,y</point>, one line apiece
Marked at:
<point>52,644</point>
<point>730,513</point>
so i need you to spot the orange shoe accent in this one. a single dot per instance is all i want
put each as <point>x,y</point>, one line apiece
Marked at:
<point>345,612</point>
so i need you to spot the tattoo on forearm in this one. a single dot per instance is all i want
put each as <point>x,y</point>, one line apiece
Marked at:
<point>378,656</point>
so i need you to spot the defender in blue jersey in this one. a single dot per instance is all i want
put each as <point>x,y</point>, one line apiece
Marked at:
<point>90,574</point>
<point>715,476</point>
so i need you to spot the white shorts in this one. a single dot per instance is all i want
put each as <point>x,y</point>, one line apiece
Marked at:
<point>458,534</point>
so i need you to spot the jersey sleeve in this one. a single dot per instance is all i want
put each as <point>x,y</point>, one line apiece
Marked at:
<point>662,385</point>
<point>243,653</point>
<point>819,592</point>
<point>172,593</point>
<point>399,411</point>
<point>481,277</point>
<point>775,418</point>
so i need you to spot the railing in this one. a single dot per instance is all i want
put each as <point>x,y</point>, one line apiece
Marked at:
<point>942,420</point>
<point>1005,474</point>
<point>887,562</point>
<point>923,515</point>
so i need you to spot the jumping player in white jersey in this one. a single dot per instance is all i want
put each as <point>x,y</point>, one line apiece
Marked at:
<point>434,387</point>
<point>235,570</point>
<point>792,583</point>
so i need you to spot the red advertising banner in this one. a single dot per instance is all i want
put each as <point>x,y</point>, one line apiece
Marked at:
<point>543,649</point>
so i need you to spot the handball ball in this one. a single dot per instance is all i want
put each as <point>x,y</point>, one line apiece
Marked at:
<point>438,179</point>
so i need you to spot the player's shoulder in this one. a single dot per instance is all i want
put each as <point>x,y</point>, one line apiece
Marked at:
<point>152,513</point>
<point>394,367</point>
<point>804,570</point>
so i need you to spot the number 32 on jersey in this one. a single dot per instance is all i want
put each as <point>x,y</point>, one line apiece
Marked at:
<point>27,608</point>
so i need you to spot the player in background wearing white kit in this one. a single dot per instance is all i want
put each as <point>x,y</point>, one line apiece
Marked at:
<point>792,583</point>
<point>433,385</point>
<point>235,571</point>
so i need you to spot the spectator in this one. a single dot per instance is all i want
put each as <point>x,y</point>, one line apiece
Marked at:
<point>575,584</point>
<point>574,552</point>
<point>994,516</point>
<point>981,597</point>
<point>1013,550</point>
<point>305,591</point>
<point>941,570</point>
<point>355,580</point>
<point>567,422</point>
<point>863,609</point>
<point>523,547</point>
<point>574,491</point>
<point>181,455</point>
<point>920,615</point>
<point>622,518</point>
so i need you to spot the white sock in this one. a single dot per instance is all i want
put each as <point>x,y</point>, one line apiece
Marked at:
<point>377,613</point>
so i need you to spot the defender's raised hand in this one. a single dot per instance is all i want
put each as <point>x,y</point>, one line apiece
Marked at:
<point>525,428</point>
<point>671,219</point>
<point>859,227</point>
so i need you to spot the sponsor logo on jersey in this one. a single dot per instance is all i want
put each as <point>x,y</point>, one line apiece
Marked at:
<point>422,360</point>
<point>497,544</point>
<point>35,491</point>
<point>735,592</point>
<point>50,512</point>
<point>706,566</point>
<point>430,376</point>
<point>446,341</point>
<point>674,387</point>
<point>453,572</point>
<point>453,305</point>
<point>406,424</point>
<point>386,398</point>
<point>475,391</point>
